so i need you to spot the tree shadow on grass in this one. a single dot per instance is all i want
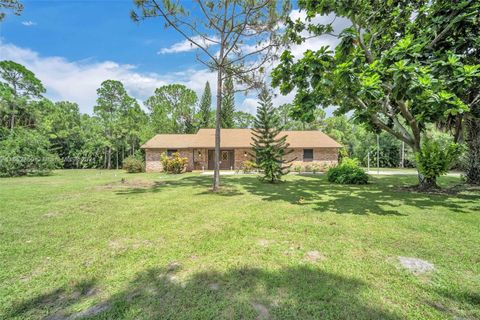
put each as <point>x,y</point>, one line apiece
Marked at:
<point>203,182</point>
<point>52,305</point>
<point>303,292</point>
<point>382,197</point>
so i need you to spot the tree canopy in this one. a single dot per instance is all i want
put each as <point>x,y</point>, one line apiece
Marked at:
<point>385,70</point>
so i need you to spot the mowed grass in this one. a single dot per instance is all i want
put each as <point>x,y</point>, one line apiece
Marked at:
<point>84,244</point>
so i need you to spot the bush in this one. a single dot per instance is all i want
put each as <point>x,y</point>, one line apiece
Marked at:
<point>248,166</point>
<point>26,152</point>
<point>174,164</point>
<point>133,164</point>
<point>298,168</point>
<point>435,159</point>
<point>348,172</point>
<point>316,168</point>
<point>308,168</point>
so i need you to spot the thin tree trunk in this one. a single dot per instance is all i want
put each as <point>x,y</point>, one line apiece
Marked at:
<point>105,158</point>
<point>109,157</point>
<point>216,173</point>
<point>218,114</point>
<point>12,120</point>
<point>116,153</point>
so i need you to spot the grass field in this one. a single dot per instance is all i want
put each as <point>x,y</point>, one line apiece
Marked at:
<point>83,244</point>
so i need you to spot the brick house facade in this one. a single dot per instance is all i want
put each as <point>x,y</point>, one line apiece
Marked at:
<point>308,147</point>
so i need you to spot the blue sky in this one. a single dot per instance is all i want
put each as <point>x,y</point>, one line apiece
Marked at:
<point>94,30</point>
<point>72,46</point>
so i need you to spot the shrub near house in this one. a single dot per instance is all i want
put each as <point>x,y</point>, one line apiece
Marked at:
<point>174,164</point>
<point>133,164</point>
<point>348,172</point>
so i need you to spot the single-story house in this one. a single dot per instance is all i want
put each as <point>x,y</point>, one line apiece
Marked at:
<point>235,144</point>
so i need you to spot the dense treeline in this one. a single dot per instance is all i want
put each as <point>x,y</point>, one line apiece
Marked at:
<point>37,134</point>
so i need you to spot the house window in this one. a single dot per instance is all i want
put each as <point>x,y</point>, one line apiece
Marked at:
<point>307,154</point>
<point>170,152</point>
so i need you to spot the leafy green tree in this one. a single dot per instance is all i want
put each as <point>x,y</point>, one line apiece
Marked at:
<point>234,38</point>
<point>290,123</point>
<point>19,87</point>
<point>228,105</point>
<point>94,143</point>
<point>172,109</point>
<point>113,103</point>
<point>205,108</point>
<point>455,30</point>
<point>135,120</point>
<point>243,120</point>
<point>435,159</point>
<point>382,71</point>
<point>14,5</point>
<point>26,152</point>
<point>60,122</point>
<point>268,146</point>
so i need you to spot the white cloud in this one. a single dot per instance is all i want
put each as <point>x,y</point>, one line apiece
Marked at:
<point>186,45</point>
<point>29,23</point>
<point>77,81</point>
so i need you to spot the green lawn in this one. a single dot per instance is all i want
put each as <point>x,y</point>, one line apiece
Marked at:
<point>81,243</point>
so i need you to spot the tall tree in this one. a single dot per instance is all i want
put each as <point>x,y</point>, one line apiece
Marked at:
<point>204,112</point>
<point>243,120</point>
<point>112,104</point>
<point>382,70</point>
<point>19,86</point>
<point>60,122</point>
<point>269,147</point>
<point>172,109</point>
<point>228,105</point>
<point>453,29</point>
<point>234,38</point>
<point>291,123</point>
<point>14,5</point>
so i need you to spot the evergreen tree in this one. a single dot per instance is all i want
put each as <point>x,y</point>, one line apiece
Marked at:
<point>204,112</point>
<point>228,105</point>
<point>269,148</point>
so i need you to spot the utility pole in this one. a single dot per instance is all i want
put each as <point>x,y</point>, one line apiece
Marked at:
<point>378,154</point>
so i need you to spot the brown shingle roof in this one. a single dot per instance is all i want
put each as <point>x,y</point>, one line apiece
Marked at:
<point>237,138</point>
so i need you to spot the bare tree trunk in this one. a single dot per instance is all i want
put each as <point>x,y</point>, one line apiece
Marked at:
<point>216,173</point>
<point>12,119</point>
<point>104,158</point>
<point>472,170</point>
<point>116,153</point>
<point>109,157</point>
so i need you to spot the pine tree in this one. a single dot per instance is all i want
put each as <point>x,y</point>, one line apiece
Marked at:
<point>228,105</point>
<point>269,148</point>
<point>205,107</point>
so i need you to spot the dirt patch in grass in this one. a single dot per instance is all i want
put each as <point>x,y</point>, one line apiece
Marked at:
<point>314,256</point>
<point>126,183</point>
<point>53,214</point>
<point>262,311</point>
<point>123,244</point>
<point>90,312</point>
<point>265,242</point>
<point>415,265</point>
